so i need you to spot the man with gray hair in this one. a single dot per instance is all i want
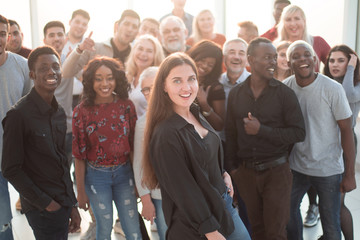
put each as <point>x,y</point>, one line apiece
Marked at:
<point>173,35</point>
<point>235,61</point>
<point>318,160</point>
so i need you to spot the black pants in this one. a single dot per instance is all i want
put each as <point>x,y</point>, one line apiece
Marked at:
<point>50,225</point>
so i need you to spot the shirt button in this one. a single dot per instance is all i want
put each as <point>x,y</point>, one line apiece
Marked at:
<point>254,149</point>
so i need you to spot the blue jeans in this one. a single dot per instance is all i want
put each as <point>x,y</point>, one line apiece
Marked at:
<point>328,190</point>
<point>49,225</point>
<point>240,231</point>
<point>160,219</point>
<point>5,216</point>
<point>103,185</point>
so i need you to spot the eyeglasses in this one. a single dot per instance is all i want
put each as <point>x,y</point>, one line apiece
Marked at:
<point>145,91</point>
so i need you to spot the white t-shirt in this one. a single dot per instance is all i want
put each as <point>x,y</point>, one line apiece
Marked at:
<point>136,96</point>
<point>322,103</point>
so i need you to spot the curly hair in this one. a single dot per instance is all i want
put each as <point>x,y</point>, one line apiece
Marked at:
<point>122,86</point>
<point>205,49</point>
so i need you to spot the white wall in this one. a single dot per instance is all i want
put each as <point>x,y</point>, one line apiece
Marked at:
<point>324,17</point>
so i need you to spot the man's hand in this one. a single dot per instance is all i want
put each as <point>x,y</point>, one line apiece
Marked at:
<point>75,220</point>
<point>53,206</point>
<point>88,44</point>
<point>251,125</point>
<point>347,184</point>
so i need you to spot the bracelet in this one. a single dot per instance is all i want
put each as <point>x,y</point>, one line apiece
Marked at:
<point>206,114</point>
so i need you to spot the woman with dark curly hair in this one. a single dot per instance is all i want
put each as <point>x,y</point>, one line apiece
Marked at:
<point>211,96</point>
<point>103,136</point>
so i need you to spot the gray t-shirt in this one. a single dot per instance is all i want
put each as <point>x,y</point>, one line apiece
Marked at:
<point>322,103</point>
<point>64,96</point>
<point>14,83</point>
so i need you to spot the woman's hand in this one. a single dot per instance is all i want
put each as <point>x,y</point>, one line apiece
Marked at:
<point>148,209</point>
<point>228,183</point>
<point>83,200</point>
<point>214,236</point>
<point>353,60</point>
<point>202,95</point>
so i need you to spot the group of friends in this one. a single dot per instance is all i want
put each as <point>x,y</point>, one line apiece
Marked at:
<point>191,123</point>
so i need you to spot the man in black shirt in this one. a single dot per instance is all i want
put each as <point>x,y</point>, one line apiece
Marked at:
<point>263,120</point>
<point>34,159</point>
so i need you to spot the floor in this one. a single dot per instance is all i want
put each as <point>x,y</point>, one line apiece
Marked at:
<point>22,230</point>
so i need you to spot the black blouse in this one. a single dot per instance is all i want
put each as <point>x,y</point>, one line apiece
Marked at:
<point>190,178</point>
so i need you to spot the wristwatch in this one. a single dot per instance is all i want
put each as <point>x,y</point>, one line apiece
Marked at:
<point>206,114</point>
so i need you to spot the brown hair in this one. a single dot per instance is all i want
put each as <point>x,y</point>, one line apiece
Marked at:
<point>160,108</point>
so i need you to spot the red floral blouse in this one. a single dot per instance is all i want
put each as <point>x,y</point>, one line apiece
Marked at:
<point>103,134</point>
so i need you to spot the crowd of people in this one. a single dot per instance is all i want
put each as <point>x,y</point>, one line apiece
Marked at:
<point>218,138</point>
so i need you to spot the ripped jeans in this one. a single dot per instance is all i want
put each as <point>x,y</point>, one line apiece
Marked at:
<point>103,185</point>
<point>5,215</point>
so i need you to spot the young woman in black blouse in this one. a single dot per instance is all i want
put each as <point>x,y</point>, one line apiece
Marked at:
<point>183,155</point>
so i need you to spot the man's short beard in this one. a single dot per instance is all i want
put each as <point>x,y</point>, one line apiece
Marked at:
<point>174,47</point>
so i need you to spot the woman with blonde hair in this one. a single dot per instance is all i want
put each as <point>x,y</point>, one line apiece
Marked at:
<point>183,156</point>
<point>292,27</point>
<point>203,28</point>
<point>146,52</point>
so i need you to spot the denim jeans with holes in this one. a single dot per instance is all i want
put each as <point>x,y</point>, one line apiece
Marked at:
<point>103,185</point>
<point>5,215</point>
<point>328,190</point>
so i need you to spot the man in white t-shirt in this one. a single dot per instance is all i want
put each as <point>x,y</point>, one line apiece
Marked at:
<point>318,161</point>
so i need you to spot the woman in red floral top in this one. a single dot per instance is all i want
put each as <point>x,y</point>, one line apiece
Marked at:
<point>103,137</point>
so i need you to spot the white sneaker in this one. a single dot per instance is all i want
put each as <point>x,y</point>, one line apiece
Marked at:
<point>90,234</point>
<point>117,228</point>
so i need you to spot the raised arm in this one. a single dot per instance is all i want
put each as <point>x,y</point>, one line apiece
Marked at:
<point>352,92</point>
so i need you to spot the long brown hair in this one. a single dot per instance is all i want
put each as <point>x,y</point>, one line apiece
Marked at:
<point>346,51</point>
<point>160,108</point>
